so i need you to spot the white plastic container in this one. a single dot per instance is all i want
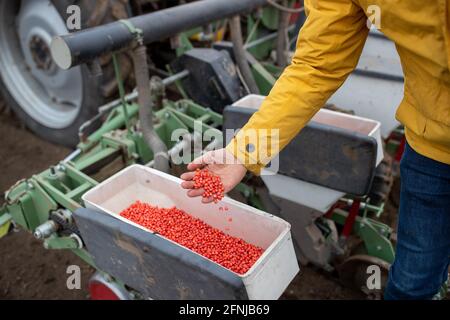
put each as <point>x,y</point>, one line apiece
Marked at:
<point>337,119</point>
<point>268,277</point>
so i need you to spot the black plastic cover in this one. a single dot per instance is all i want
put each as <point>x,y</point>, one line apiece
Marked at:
<point>213,80</point>
<point>322,154</point>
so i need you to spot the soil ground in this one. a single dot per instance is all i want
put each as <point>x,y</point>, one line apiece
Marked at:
<point>28,271</point>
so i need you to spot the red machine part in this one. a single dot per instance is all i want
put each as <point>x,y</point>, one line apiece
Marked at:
<point>102,287</point>
<point>99,291</point>
<point>351,218</point>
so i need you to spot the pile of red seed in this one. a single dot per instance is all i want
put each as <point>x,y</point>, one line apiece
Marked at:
<point>210,183</point>
<point>175,224</point>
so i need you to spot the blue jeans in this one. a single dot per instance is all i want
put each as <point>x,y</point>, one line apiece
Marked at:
<point>423,237</point>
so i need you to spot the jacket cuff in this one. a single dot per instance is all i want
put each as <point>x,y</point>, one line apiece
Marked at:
<point>238,150</point>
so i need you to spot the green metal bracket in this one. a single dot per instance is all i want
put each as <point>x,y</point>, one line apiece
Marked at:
<point>254,30</point>
<point>57,243</point>
<point>264,79</point>
<point>367,207</point>
<point>374,234</point>
<point>77,175</point>
<point>85,256</point>
<point>116,121</point>
<point>184,44</point>
<point>119,141</point>
<point>189,121</point>
<point>142,148</point>
<point>68,187</point>
<point>29,204</point>
<point>16,210</point>
<point>270,17</point>
<point>95,156</point>
<point>193,111</point>
<point>376,244</point>
<point>121,90</point>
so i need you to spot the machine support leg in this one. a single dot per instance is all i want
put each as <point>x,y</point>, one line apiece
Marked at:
<point>351,218</point>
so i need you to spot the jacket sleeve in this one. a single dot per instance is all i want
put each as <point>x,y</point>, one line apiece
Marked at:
<point>328,49</point>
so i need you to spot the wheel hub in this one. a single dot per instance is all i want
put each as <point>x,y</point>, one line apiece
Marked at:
<point>40,52</point>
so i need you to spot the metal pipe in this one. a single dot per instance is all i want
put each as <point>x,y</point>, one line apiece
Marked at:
<point>188,139</point>
<point>72,156</point>
<point>240,54</point>
<point>264,39</point>
<point>146,104</point>
<point>175,77</point>
<point>282,37</point>
<point>364,205</point>
<point>113,104</point>
<point>85,125</point>
<point>83,46</point>
<point>134,94</point>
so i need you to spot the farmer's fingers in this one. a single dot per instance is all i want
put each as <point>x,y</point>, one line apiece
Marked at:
<point>207,158</point>
<point>187,176</point>
<point>194,166</point>
<point>187,184</point>
<point>195,192</point>
<point>208,200</point>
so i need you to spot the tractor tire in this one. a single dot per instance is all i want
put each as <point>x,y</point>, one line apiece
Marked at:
<point>51,102</point>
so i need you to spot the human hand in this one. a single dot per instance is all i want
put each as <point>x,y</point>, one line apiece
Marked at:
<point>219,162</point>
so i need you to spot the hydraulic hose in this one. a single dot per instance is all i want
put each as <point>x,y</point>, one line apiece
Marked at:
<point>240,54</point>
<point>146,104</point>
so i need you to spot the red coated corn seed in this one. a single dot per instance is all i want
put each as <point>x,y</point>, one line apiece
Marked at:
<point>175,224</point>
<point>210,183</point>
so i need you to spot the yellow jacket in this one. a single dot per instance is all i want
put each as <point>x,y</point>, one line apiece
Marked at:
<point>328,49</point>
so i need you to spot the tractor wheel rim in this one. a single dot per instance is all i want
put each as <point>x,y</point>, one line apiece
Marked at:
<point>48,94</point>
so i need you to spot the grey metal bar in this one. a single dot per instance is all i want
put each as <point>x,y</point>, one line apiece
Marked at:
<point>83,46</point>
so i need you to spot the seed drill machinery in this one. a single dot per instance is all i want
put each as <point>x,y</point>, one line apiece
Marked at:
<point>333,195</point>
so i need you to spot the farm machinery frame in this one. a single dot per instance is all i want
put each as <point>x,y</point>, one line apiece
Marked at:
<point>351,228</point>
